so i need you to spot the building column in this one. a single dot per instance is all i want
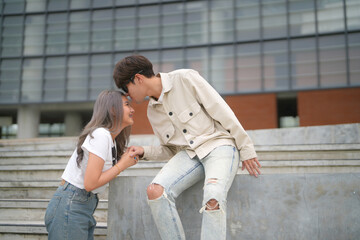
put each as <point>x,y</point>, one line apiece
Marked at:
<point>28,119</point>
<point>73,124</point>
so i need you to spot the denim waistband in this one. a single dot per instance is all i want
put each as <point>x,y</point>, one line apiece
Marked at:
<point>69,187</point>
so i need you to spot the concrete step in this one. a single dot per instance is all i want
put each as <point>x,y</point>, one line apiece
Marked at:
<point>33,160</point>
<point>34,209</point>
<point>20,174</point>
<point>36,153</point>
<point>14,230</point>
<point>33,190</point>
<point>41,158</point>
<point>61,143</point>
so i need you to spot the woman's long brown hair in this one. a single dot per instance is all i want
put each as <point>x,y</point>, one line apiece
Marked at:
<point>108,113</point>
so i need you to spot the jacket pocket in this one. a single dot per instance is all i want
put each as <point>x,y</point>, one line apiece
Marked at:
<point>196,120</point>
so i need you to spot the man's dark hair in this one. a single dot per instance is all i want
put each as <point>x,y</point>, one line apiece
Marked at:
<point>126,69</point>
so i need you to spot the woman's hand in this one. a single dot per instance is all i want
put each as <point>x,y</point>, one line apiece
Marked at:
<point>128,159</point>
<point>136,150</point>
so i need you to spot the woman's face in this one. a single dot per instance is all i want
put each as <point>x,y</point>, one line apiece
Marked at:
<point>128,113</point>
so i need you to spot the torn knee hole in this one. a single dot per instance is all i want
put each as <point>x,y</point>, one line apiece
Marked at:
<point>212,204</point>
<point>154,191</point>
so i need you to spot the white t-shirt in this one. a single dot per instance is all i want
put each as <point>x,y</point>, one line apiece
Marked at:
<point>100,145</point>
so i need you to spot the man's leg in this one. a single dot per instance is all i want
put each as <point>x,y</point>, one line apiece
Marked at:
<point>180,173</point>
<point>220,167</point>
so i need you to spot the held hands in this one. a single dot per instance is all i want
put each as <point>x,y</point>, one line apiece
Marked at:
<point>128,159</point>
<point>136,151</point>
<point>252,166</point>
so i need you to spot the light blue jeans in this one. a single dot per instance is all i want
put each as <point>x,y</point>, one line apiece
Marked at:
<point>181,172</point>
<point>69,214</point>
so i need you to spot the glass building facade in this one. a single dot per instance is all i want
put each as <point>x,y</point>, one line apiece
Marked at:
<point>56,51</point>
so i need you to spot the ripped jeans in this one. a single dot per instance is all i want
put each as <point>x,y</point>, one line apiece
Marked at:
<point>181,172</point>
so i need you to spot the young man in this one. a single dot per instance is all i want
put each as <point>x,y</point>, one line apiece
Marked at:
<point>200,135</point>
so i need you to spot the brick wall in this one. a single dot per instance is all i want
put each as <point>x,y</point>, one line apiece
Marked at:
<point>256,111</point>
<point>141,122</point>
<point>325,107</point>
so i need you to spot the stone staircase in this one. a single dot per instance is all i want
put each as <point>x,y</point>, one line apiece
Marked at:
<point>30,172</point>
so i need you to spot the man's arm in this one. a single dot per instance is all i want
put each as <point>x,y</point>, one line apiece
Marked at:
<point>161,152</point>
<point>220,111</point>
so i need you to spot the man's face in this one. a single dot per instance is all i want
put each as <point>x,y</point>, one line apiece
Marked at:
<point>135,91</point>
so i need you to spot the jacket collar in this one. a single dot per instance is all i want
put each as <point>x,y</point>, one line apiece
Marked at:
<point>167,84</point>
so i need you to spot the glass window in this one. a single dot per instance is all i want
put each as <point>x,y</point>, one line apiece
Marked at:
<point>222,69</point>
<point>56,33</point>
<point>274,18</point>
<point>78,75</point>
<point>55,73</point>
<point>248,67</point>
<point>149,27</point>
<point>276,65</point>
<point>198,59</point>
<point>1,27</point>
<point>330,15</point>
<point>12,36</point>
<point>55,5</point>
<point>102,3</point>
<point>247,20</point>
<point>354,58</point>
<point>32,80</point>
<point>353,14</point>
<point>35,5</point>
<point>171,60</point>
<point>125,29</point>
<point>196,23</point>
<point>79,32</point>
<point>101,35</point>
<point>332,61</point>
<point>13,6</point>
<point>172,25</point>
<point>34,35</point>
<point>101,69</point>
<point>76,4</point>
<point>302,17</point>
<point>51,129</point>
<point>303,63</point>
<point>10,80</point>
<point>125,2</point>
<point>222,21</point>
<point>148,1</point>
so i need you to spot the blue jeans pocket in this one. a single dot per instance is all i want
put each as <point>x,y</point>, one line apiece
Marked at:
<point>51,209</point>
<point>80,197</point>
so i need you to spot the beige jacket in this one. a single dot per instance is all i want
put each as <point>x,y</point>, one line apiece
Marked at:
<point>193,117</point>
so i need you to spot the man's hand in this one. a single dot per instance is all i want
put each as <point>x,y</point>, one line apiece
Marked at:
<point>136,151</point>
<point>252,166</point>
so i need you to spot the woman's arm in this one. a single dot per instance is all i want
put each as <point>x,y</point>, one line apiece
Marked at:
<point>94,177</point>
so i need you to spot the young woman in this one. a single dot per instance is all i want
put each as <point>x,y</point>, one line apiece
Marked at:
<point>100,156</point>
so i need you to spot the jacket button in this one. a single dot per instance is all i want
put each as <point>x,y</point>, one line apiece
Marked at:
<point>191,142</point>
<point>191,114</point>
<point>184,131</point>
<point>167,135</point>
<point>170,113</point>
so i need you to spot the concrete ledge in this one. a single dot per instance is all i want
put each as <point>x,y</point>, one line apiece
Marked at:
<point>281,206</point>
<point>329,134</point>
